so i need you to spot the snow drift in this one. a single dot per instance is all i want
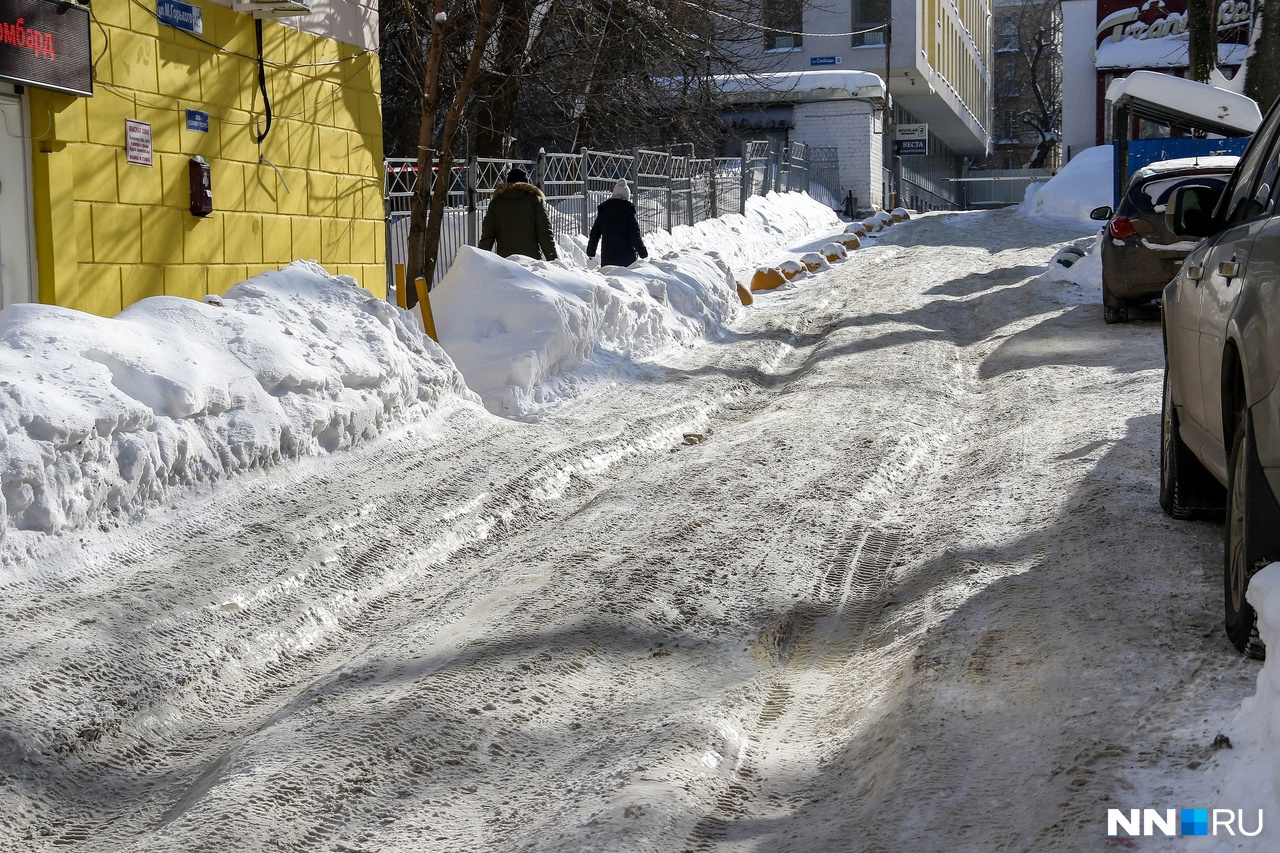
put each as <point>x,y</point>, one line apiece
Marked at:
<point>110,415</point>
<point>518,327</point>
<point>1250,771</point>
<point>1079,187</point>
<point>105,417</point>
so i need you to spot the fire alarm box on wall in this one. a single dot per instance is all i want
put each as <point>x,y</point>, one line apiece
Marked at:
<point>201,187</point>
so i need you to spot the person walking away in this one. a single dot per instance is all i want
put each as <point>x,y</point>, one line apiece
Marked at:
<point>517,220</point>
<point>616,230</point>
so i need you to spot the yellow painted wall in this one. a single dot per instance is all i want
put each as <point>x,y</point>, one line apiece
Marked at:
<point>109,233</point>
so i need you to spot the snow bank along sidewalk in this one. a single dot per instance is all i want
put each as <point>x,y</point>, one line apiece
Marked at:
<point>517,327</point>
<point>104,417</point>
<point>111,415</point>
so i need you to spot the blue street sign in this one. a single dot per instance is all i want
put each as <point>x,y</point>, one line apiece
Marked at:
<point>824,60</point>
<point>182,16</point>
<point>197,121</point>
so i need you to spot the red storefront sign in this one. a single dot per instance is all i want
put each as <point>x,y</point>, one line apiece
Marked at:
<point>1158,19</point>
<point>46,44</point>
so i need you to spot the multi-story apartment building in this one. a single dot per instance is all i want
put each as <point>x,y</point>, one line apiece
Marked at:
<point>936,56</point>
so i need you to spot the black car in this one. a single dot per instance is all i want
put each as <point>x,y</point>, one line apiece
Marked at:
<point>1139,253</point>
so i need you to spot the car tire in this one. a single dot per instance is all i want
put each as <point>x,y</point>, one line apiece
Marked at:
<point>1187,489</point>
<point>1245,548</point>
<point>1114,310</point>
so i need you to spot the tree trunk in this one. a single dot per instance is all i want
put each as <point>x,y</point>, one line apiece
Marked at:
<point>444,159</point>
<point>1262,77</point>
<point>1202,48</point>
<point>418,250</point>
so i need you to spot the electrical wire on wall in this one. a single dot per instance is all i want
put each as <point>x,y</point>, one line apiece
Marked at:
<point>262,81</point>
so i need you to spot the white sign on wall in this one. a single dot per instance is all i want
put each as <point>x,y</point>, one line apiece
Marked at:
<point>137,142</point>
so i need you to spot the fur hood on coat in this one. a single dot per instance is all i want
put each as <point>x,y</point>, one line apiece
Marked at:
<point>503,189</point>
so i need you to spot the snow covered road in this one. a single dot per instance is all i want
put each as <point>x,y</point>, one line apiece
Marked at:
<point>881,570</point>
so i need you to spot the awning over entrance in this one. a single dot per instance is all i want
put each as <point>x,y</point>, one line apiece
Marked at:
<point>1181,104</point>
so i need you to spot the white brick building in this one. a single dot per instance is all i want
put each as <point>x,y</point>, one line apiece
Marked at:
<point>854,128</point>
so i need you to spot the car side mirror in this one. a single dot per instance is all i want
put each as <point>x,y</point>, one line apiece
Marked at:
<point>1189,211</point>
<point>1101,214</point>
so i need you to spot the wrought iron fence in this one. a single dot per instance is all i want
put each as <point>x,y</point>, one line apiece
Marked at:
<point>824,167</point>
<point>669,189</point>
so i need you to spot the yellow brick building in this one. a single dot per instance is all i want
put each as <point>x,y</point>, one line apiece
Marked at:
<point>296,173</point>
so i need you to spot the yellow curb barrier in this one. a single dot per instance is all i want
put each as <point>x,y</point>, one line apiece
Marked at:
<point>766,278</point>
<point>428,322</point>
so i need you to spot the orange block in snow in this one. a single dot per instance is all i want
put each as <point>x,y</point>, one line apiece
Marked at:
<point>766,278</point>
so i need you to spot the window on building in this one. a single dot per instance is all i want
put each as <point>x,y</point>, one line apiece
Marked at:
<point>1010,126</point>
<point>783,22</point>
<point>1008,81</point>
<point>1008,38</point>
<point>868,14</point>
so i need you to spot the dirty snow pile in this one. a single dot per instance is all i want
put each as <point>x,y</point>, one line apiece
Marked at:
<point>518,327</point>
<point>110,415</point>
<point>1080,186</point>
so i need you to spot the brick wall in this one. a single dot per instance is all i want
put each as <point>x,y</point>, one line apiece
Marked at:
<point>109,232</point>
<point>853,128</point>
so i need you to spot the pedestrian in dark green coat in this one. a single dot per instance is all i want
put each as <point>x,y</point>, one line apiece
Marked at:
<point>517,220</point>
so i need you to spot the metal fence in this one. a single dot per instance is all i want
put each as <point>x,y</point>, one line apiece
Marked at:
<point>669,189</point>
<point>998,187</point>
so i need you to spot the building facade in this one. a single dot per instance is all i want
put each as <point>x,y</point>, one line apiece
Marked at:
<point>936,56</point>
<point>191,150</point>
<point>1027,85</point>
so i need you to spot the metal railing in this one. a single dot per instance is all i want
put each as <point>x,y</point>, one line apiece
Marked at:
<point>669,190</point>
<point>996,187</point>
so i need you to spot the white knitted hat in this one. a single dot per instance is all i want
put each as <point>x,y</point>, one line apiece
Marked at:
<point>621,190</point>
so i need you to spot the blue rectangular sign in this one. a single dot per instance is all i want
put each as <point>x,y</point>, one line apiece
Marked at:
<point>197,121</point>
<point>182,16</point>
<point>823,60</point>
<point>911,146</point>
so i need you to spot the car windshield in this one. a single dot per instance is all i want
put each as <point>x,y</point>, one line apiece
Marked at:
<point>1151,196</point>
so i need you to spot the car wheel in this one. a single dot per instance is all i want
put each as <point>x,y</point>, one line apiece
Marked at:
<point>1187,489</point>
<point>1114,310</point>
<point>1243,552</point>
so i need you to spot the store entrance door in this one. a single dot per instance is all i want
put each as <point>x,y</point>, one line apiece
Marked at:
<point>15,205</point>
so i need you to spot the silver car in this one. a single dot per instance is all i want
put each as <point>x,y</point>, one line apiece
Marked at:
<point>1220,427</point>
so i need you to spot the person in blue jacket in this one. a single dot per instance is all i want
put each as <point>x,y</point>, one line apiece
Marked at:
<point>616,230</point>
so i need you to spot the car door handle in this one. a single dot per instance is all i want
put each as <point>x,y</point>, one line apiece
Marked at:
<point>1229,269</point>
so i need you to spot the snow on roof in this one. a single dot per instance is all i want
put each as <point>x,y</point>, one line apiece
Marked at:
<point>1158,53</point>
<point>1225,162</point>
<point>803,85</point>
<point>1163,96</point>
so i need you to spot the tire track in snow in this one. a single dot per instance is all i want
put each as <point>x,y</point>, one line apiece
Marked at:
<point>290,622</point>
